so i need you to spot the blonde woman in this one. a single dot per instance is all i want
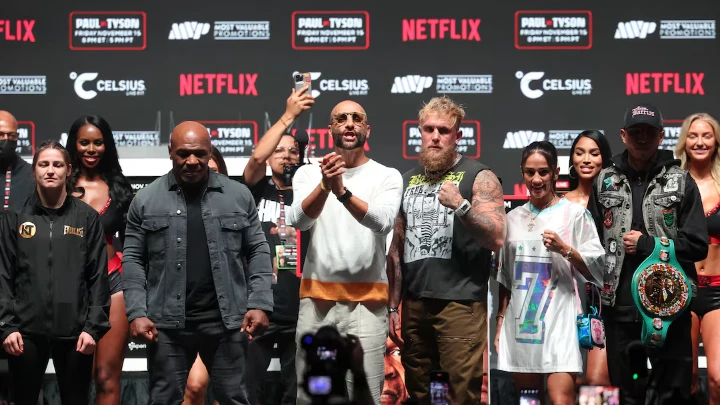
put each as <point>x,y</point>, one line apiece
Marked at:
<point>697,150</point>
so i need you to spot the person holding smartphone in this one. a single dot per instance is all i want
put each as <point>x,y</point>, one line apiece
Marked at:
<point>273,197</point>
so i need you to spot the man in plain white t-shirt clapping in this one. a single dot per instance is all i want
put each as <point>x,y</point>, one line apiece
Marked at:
<point>349,204</point>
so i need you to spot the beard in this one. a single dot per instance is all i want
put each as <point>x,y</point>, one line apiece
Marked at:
<point>436,161</point>
<point>360,137</point>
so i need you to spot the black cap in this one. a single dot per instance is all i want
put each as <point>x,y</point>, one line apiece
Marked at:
<point>643,114</point>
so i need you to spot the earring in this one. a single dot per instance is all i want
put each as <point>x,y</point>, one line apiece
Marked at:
<point>573,172</point>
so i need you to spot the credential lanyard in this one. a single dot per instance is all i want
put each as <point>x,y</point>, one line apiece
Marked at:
<point>282,230</point>
<point>8,179</point>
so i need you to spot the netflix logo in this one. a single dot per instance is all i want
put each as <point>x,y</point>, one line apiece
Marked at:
<point>194,84</point>
<point>17,30</point>
<point>663,83</point>
<point>423,29</point>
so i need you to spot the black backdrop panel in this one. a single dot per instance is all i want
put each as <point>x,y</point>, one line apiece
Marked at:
<point>523,71</point>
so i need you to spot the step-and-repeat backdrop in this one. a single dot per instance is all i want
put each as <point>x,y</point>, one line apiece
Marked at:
<point>523,71</point>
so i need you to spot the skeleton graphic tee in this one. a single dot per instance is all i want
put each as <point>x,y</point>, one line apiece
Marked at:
<point>441,260</point>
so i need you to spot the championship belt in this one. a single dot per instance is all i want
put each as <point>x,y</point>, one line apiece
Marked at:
<point>661,290</point>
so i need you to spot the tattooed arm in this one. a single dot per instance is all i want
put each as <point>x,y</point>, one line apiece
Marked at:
<point>394,275</point>
<point>486,218</point>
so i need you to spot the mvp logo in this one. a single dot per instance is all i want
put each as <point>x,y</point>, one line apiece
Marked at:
<point>634,29</point>
<point>411,84</point>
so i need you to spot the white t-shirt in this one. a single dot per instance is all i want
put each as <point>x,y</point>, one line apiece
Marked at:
<point>539,332</point>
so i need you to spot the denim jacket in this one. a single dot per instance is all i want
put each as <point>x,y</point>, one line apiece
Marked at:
<point>154,254</point>
<point>671,207</point>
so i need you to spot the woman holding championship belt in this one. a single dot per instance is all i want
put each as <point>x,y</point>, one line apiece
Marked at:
<point>697,149</point>
<point>551,243</point>
<point>97,180</point>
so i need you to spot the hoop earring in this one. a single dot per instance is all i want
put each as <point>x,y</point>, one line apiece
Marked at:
<point>573,172</point>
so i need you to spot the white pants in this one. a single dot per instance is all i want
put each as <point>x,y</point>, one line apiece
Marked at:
<point>367,321</point>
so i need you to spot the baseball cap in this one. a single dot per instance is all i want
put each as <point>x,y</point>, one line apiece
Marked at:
<point>643,114</point>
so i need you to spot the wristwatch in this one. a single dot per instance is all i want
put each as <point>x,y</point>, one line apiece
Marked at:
<point>392,309</point>
<point>463,208</point>
<point>569,254</point>
<point>346,196</point>
<point>661,291</point>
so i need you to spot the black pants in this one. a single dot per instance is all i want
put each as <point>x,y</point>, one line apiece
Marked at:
<point>260,353</point>
<point>73,371</point>
<point>669,381</point>
<point>222,351</point>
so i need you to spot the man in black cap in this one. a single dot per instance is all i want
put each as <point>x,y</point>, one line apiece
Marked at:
<point>645,195</point>
<point>15,173</point>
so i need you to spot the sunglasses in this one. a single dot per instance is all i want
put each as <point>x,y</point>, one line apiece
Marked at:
<point>356,117</point>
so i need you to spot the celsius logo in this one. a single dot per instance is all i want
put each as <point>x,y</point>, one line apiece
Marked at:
<point>129,87</point>
<point>411,84</point>
<point>353,87</point>
<point>671,82</point>
<point>575,86</point>
<point>634,29</point>
<point>188,30</point>
<point>21,32</point>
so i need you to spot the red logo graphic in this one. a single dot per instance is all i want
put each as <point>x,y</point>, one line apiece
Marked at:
<point>233,138</point>
<point>669,82</point>
<point>193,84</point>
<point>469,144</point>
<point>108,31</point>
<point>20,31</point>
<point>26,138</point>
<point>320,141</point>
<point>421,29</point>
<point>553,29</point>
<point>330,30</point>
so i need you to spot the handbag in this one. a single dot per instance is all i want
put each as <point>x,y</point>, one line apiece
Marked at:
<point>590,326</point>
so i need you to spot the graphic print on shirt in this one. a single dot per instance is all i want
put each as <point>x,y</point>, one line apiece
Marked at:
<point>429,230</point>
<point>534,279</point>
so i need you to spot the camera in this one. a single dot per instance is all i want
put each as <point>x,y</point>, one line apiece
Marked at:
<point>328,359</point>
<point>289,173</point>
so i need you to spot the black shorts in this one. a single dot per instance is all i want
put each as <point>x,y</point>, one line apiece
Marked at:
<point>706,300</point>
<point>115,280</point>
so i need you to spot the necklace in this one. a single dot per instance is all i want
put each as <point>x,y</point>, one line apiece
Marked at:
<point>531,225</point>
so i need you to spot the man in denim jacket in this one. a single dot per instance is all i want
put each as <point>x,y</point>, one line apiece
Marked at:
<point>643,195</point>
<point>197,272</point>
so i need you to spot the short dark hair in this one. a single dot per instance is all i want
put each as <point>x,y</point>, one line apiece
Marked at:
<point>547,150</point>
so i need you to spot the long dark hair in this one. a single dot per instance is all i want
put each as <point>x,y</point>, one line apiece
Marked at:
<point>109,167</point>
<point>605,153</point>
<point>217,157</point>
<point>547,150</point>
<point>66,157</point>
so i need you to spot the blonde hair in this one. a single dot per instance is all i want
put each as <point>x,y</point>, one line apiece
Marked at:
<point>680,148</point>
<point>443,106</point>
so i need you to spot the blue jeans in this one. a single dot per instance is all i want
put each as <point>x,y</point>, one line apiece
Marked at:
<point>222,351</point>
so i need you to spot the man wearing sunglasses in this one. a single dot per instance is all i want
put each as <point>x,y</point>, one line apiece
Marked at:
<point>15,172</point>
<point>273,197</point>
<point>348,203</point>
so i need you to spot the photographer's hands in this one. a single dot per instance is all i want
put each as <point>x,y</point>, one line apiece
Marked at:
<point>299,101</point>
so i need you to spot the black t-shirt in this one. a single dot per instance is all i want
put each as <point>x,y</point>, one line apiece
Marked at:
<point>286,292</point>
<point>201,304</point>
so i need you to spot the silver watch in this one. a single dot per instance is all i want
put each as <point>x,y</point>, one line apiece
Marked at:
<point>569,254</point>
<point>463,208</point>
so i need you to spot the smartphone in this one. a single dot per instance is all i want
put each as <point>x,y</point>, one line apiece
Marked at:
<point>302,79</point>
<point>530,397</point>
<point>439,388</point>
<point>599,395</point>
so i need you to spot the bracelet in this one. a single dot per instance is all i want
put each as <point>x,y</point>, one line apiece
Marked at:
<point>283,121</point>
<point>327,190</point>
<point>500,316</point>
